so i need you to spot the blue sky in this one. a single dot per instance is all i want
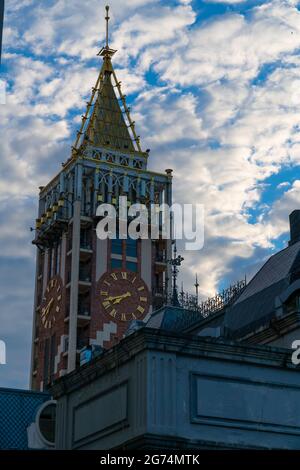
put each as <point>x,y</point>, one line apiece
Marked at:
<point>214,88</point>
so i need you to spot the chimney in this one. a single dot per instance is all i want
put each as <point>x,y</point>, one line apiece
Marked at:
<point>295,227</point>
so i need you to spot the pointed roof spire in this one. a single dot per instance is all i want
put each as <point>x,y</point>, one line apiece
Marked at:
<point>107,121</point>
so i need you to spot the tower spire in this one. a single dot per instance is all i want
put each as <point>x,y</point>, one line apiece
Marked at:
<point>107,121</point>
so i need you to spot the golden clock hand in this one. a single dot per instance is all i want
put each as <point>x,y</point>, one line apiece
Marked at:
<point>46,311</point>
<point>50,303</point>
<point>111,298</point>
<point>122,297</point>
<point>118,298</point>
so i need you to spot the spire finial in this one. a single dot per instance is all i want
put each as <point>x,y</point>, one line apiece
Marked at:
<point>107,18</point>
<point>106,52</point>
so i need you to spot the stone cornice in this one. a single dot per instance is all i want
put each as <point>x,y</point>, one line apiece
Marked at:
<point>170,342</point>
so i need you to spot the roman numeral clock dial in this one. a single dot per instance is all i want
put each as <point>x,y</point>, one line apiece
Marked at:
<point>123,296</point>
<point>52,303</point>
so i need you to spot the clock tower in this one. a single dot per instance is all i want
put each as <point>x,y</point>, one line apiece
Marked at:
<point>88,290</point>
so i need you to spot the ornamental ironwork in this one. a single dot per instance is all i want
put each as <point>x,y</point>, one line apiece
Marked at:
<point>201,310</point>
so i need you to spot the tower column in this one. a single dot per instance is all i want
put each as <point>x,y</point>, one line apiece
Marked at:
<point>63,257</point>
<point>74,287</point>
<point>45,271</point>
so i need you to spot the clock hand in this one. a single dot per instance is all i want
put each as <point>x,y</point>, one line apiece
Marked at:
<point>50,304</point>
<point>46,311</point>
<point>117,301</point>
<point>118,298</point>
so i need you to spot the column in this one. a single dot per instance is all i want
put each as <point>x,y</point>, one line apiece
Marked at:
<point>74,287</point>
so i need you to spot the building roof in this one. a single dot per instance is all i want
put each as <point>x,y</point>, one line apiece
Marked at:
<point>106,123</point>
<point>173,318</point>
<point>256,305</point>
<point>107,126</point>
<point>18,409</point>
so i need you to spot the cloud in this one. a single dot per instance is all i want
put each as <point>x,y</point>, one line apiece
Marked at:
<point>16,296</point>
<point>277,219</point>
<point>215,98</point>
<point>284,184</point>
<point>59,27</point>
<point>142,30</point>
<point>169,118</point>
<point>226,1</point>
<point>234,46</point>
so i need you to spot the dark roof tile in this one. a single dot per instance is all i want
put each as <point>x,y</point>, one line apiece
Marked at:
<point>255,306</point>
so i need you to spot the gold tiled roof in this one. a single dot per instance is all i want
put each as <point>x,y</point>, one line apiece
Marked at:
<point>107,121</point>
<point>107,126</point>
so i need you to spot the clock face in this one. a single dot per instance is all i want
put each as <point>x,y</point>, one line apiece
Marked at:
<point>52,303</point>
<point>123,296</point>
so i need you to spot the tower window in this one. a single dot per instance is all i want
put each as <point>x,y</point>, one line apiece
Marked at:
<point>117,247</point>
<point>131,248</point>
<point>86,238</point>
<point>132,266</point>
<point>116,264</point>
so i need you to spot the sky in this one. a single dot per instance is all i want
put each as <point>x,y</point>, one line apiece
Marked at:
<point>214,89</point>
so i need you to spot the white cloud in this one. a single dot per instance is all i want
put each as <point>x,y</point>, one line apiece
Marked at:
<point>225,1</point>
<point>284,184</point>
<point>277,221</point>
<point>256,134</point>
<point>208,115</point>
<point>167,118</point>
<point>233,47</point>
<point>155,28</point>
<point>64,27</point>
